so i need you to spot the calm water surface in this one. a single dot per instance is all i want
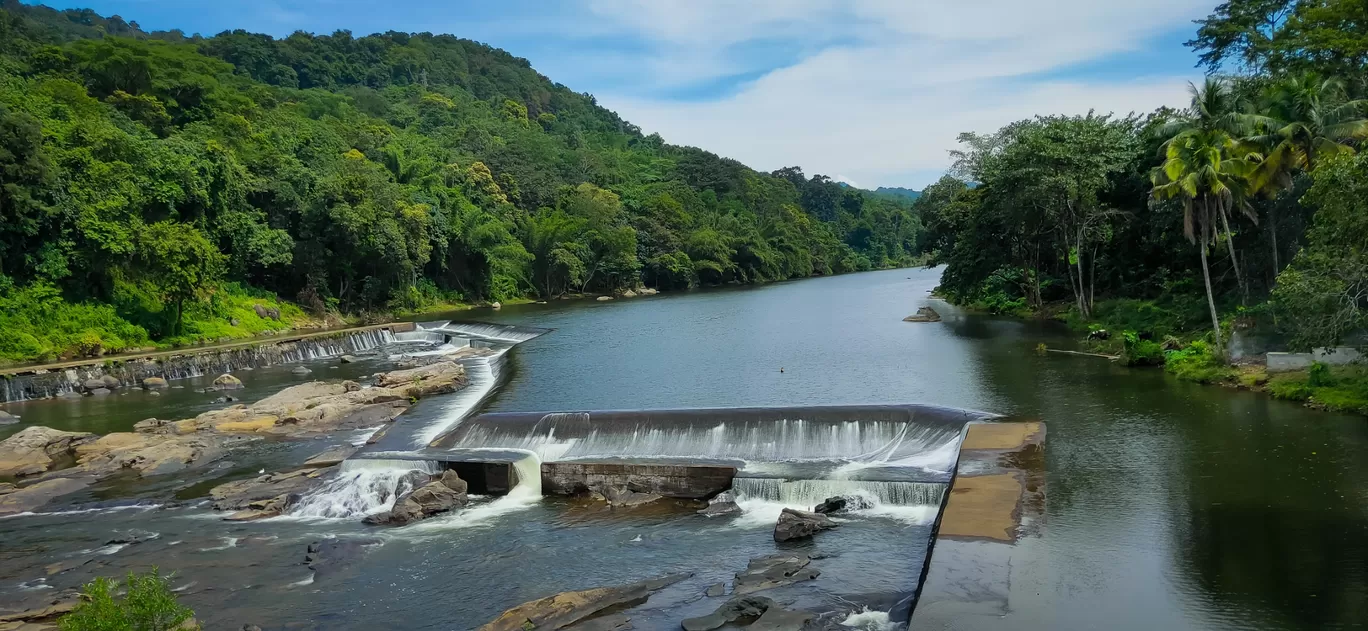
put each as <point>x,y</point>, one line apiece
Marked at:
<point>1170,505</point>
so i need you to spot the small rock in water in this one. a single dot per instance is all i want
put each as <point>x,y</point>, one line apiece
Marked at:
<point>99,392</point>
<point>154,393</point>
<point>738,608</point>
<point>347,359</point>
<point>796,524</point>
<point>495,305</point>
<point>154,383</point>
<point>773,571</point>
<point>843,504</point>
<point>604,298</point>
<point>924,314</point>
<point>723,504</point>
<point>300,370</point>
<point>227,382</point>
<point>7,419</point>
<point>716,589</point>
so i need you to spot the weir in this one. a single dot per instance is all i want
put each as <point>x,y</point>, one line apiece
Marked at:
<point>886,456</point>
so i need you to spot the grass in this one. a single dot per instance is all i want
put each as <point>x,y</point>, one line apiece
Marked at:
<point>1197,363</point>
<point>1335,388</point>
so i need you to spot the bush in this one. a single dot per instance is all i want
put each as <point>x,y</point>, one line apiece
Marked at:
<point>1197,363</point>
<point>148,604</point>
<point>1141,352</point>
<point>36,323</point>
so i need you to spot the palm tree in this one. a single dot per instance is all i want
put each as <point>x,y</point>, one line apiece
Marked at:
<point>1216,112</point>
<point>1201,167</point>
<point>1307,119</point>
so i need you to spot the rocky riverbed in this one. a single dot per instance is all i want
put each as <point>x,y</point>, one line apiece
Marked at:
<point>45,463</point>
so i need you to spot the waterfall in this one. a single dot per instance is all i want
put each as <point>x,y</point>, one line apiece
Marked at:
<point>498,332</point>
<point>483,373</point>
<point>806,494</point>
<point>364,487</point>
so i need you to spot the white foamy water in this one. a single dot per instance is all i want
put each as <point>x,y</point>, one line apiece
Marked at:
<point>762,499</point>
<point>526,493</point>
<point>483,373</point>
<point>871,620</point>
<point>362,487</point>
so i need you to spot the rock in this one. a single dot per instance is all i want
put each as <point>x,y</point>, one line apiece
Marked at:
<point>777,618</point>
<point>36,495</point>
<point>6,488</point>
<point>334,456</point>
<point>796,524</point>
<point>99,392</point>
<point>40,618</point>
<point>629,294</point>
<point>610,622</point>
<point>155,383</point>
<point>924,314</point>
<point>250,627</point>
<point>111,382</point>
<point>495,305</point>
<point>225,399</point>
<point>347,359</point>
<point>433,498</point>
<point>148,454</point>
<point>260,311</point>
<point>233,322</point>
<point>256,424</point>
<point>328,556</point>
<point>451,480</point>
<point>648,291</point>
<point>740,609</point>
<point>843,504</point>
<point>351,386</point>
<point>71,394</point>
<point>1100,334</point>
<point>34,449</point>
<point>273,313</point>
<point>258,493</point>
<point>773,571</point>
<point>716,589</point>
<point>622,498</point>
<point>300,370</point>
<point>91,384</point>
<point>604,298</point>
<point>831,505</point>
<point>7,419</point>
<point>562,610</point>
<point>440,378</point>
<point>227,382</point>
<point>723,504</point>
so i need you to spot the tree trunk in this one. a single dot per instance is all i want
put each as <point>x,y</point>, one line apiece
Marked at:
<point>1206,276</point>
<point>1273,234</point>
<point>1235,263</point>
<point>1092,283</point>
<point>1084,307</point>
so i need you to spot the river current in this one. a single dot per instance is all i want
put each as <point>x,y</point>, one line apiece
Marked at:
<point>1170,505</point>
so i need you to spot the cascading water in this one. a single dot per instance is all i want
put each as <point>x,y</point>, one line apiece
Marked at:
<point>364,487</point>
<point>808,493</point>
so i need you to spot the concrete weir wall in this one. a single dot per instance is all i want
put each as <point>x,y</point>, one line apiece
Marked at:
<point>695,482</point>
<point>987,563</point>
<point>22,383</point>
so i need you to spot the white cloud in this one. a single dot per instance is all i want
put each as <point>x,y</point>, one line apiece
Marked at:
<point>891,82</point>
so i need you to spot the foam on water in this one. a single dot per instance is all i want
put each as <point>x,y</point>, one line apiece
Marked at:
<point>871,620</point>
<point>762,499</point>
<point>524,494</point>
<point>362,487</point>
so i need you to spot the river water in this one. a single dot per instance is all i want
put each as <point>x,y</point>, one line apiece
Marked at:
<point>1170,505</point>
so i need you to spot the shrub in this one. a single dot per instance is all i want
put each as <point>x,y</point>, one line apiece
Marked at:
<point>1197,363</point>
<point>1141,352</point>
<point>1318,376</point>
<point>148,604</point>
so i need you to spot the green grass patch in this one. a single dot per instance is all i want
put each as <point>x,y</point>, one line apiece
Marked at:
<point>1336,388</point>
<point>1197,363</point>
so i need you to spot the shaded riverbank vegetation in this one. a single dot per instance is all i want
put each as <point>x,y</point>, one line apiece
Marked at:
<point>155,185</point>
<point>1162,236</point>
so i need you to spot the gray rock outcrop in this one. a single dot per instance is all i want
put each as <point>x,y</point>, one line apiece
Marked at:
<point>569,608</point>
<point>434,498</point>
<point>796,524</point>
<point>773,571</point>
<point>35,449</point>
<point>155,383</point>
<point>227,382</point>
<point>924,314</point>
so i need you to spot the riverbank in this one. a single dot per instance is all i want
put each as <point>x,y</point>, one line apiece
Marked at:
<point>1140,334</point>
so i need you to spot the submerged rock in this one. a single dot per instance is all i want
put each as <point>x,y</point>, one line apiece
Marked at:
<point>565,609</point>
<point>24,499</point>
<point>741,609</point>
<point>723,504</point>
<point>796,524</point>
<point>328,556</point>
<point>99,392</point>
<point>842,504</point>
<point>610,622</point>
<point>715,590</point>
<point>619,497</point>
<point>256,493</point>
<point>347,359</point>
<point>7,419</point>
<point>300,370</point>
<point>924,314</point>
<point>227,382</point>
<point>777,618</point>
<point>332,456</point>
<point>773,571</point>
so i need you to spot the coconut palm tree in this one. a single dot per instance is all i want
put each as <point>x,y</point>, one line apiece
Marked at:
<point>1217,113</point>
<point>1203,169</point>
<point>1306,120</point>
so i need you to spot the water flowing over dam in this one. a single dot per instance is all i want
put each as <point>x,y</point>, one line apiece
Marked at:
<point>769,458</point>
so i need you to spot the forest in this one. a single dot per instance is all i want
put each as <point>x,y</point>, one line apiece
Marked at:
<point>1168,234</point>
<point>156,187</point>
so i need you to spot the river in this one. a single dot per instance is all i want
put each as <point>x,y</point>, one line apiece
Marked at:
<point>1170,505</point>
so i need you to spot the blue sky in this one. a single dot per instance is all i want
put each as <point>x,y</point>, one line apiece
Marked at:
<point>873,92</point>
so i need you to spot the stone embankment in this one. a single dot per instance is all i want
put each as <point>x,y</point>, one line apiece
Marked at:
<point>48,463</point>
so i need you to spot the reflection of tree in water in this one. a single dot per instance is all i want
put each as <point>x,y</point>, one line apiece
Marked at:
<point>1276,524</point>
<point>1257,530</point>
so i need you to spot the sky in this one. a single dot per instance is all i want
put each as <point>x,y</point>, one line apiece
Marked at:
<point>871,92</point>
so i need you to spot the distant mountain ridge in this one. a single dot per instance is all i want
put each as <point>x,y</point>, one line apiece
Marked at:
<point>895,191</point>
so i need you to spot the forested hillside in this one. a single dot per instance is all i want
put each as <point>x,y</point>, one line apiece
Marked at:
<point>155,187</point>
<point>1246,211</point>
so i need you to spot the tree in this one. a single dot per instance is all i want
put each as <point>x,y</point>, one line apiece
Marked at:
<point>1199,169</point>
<point>1243,31</point>
<point>148,605</point>
<point>180,262</point>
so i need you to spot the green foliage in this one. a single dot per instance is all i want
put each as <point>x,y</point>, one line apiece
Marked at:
<point>1197,362</point>
<point>1140,351</point>
<point>1318,375</point>
<point>147,604</point>
<point>36,323</point>
<point>1337,388</point>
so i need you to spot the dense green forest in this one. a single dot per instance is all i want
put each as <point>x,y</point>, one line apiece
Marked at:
<point>1246,211</point>
<point>155,187</point>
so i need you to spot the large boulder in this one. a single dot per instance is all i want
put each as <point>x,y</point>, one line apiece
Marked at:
<point>7,419</point>
<point>155,383</point>
<point>773,571</point>
<point>227,382</point>
<point>91,384</point>
<point>260,311</point>
<point>440,378</point>
<point>842,504</point>
<point>147,453</point>
<point>258,493</point>
<point>37,448</point>
<point>924,314</point>
<point>796,524</point>
<point>111,382</point>
<point>24,499</point>
<point>740,609</point>
<point>99,392</point>
<point>723,504</point>
<point>433,498</point>
<point>566,609</point>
